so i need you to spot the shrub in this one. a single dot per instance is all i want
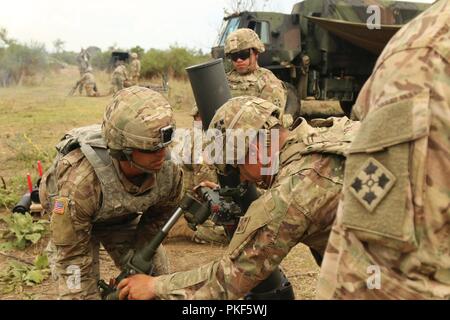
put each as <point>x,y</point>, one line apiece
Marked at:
<point>101,60</point>
<point>173,61</point>
<point>20,60</point>
<point>68,57</point>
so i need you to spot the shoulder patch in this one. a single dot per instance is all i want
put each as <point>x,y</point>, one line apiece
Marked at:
<point>372,183</point>
<point>243,222</point>
<point>60,205</point>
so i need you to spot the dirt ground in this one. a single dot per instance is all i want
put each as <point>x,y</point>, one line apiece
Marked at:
<point>184,254</point>
<point>35,103</point>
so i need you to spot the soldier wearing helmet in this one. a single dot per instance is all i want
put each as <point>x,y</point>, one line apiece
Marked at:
<point>83,60</point>
<point>242,47</point>
<point>135,69</point>
<point>120,77</point>
<point>194,174</point>
<point>111,185</point>
<point>303,178</point>
<point>391,237</point>
<point>87,82</point>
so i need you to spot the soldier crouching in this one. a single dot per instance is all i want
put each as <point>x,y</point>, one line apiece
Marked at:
<point>299,205</point>
<point>111,185</point>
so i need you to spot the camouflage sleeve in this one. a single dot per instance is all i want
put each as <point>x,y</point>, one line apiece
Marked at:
<point>125,73</point>
<point>157,215</point>
<point>83,79</point>
<point>274,223</point>
<point>273,90</point>
<point>401,228</point>
<point>73,206</point>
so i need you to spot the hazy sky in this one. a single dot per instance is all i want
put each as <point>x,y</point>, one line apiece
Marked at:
<point>148,23</point>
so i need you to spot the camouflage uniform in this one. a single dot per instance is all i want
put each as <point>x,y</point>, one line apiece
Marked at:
<point>119,78</point>
<point>135,69</point>
<point>193,175</point>
<point>299,206</point>
<point>88,82</point>
<point>83,61</point>
<point>261,82</point>
<point>197,173</point>
<point>91,201</point>
<point>391,239</point>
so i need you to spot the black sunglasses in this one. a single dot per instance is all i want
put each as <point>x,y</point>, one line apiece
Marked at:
<point>243,55</point>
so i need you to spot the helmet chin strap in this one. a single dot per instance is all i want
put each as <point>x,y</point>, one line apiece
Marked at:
<point>137,166</point>
<point>253,62</point>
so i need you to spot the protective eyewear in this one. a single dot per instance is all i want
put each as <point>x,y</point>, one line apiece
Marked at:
<point>243,55</point>
<point>166,138</point>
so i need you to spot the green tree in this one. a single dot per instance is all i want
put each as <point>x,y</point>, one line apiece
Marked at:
<point>174,61</point>
<point>58,44</point>
<point>4,36</point>
<point>101,60</point>
<point>237,6</point>
<point>139,50</point>
<point>20,60</point>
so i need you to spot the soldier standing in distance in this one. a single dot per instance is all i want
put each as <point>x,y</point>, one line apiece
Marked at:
<point>299,205</point>
<point>111,185</point>
<point>83,59</point>
<point>247,78</point>
<point>135,69</point>
<point>391,239</point>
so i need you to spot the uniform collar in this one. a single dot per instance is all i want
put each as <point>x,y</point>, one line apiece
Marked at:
<point>135,186</point>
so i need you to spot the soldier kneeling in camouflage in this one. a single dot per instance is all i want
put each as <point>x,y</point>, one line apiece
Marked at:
<point>120,78</point>
<point>87,82</point>
<point>111,185</point>
<point>299,205</point>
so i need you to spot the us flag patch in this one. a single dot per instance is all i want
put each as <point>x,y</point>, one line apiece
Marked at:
<point>60,206</point>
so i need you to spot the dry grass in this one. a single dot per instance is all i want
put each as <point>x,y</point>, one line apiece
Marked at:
<point>33,119</point>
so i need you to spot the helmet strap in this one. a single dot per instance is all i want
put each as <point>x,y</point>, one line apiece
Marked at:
<point>137,166</point>
<point>253,61</point>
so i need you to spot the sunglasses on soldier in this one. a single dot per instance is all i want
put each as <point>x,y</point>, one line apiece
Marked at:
<point>243,55</point>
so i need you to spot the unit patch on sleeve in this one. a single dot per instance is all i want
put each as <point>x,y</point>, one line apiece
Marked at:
<point>371,184</point>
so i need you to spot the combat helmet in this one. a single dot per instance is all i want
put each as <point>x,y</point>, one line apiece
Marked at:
<point>134,55</point>
<point>137,118</point>
<point>242,113</point>
<point>242,39</point>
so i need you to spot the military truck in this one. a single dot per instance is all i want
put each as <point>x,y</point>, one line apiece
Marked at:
<point>118,56</point>
<point>325,49</point>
